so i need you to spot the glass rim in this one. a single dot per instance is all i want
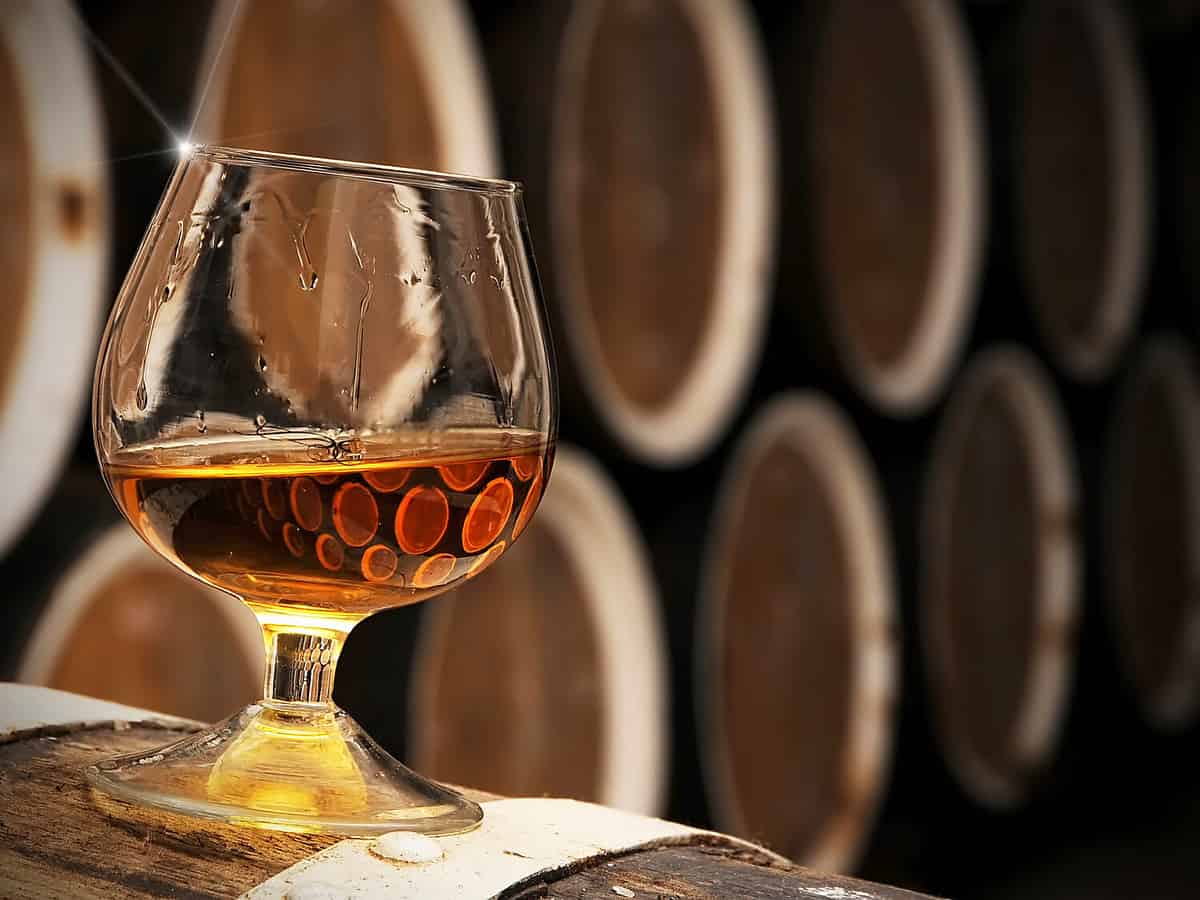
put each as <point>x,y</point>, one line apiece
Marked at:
<point>349,169</point>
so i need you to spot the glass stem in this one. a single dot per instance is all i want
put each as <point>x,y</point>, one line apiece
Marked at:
<point>300,666</point>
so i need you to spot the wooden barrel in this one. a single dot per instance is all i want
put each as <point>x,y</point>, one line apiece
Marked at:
<point>390,81</point>
<point>661,200</point>
<point>889,194</point>
<point>63,840</point>
<point>547,673</point>
<point>53,248</point>
<point>122,624</point>
<point>999,575</point>
<point>1082,181</point>
<point>1153,532</point>
<point>796,666</point>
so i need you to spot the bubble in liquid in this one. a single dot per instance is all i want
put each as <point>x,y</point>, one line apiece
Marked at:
<point>141,397</point>
<point>260,420</point>
<point>201,425</point>
<point>262,363</point>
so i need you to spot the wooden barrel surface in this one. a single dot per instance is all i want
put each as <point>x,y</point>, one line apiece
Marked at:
<point>53,247</point>
<point>103,848</point>
<point>122,624</point>
<point>896,197</point>
<point>1082,180</point>
<point>999,576</point>
<point>796,667</point>
<point>387,81</point>
<point>547,673</point>
<point>662,204</point>
<point>1153,531</point>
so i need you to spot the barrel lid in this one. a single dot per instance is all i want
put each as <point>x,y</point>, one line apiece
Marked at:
<point>663,207</point>
<point>1153,531</point>
<point>999,576</point>
<point>55,129</point>
<point>796,661</point>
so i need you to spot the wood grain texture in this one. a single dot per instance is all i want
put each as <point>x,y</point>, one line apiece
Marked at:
<point>16,226</point>
<point>705,873</point>
<point>58,840</point>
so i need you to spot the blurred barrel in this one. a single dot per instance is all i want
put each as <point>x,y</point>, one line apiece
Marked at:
<point>1153,532</point>
<point>884,201</point>
<point>53,247</point>
<point>120,623</point>
<point>546,675</point>
<point>999,576</point>
<point>796,666</point>
<point>643,130</point>
<point>387,81</point>
<point>1082,180</point>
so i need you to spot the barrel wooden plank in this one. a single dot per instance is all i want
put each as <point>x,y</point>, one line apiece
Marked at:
<point>156,856</point>
<point>113,849</point>
<point>707,873</point>
<point>56,840</point>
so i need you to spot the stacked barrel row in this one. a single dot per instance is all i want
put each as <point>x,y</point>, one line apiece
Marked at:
<point>874,327</point>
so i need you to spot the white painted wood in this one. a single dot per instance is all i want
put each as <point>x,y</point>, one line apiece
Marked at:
<point>56,354</point>
<point>519,840</point>
<point>26,706</point>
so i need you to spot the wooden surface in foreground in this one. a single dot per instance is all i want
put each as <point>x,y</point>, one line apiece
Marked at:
<point>57,839</point>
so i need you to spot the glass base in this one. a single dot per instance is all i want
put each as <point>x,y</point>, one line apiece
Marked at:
<point>288,767</point>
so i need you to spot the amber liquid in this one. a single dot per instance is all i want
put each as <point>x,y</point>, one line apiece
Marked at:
<point>335,538</point>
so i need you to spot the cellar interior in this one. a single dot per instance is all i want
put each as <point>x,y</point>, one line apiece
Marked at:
<point>872,533</point>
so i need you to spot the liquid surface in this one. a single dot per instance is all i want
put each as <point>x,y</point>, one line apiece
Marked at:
<point>384,525</point>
